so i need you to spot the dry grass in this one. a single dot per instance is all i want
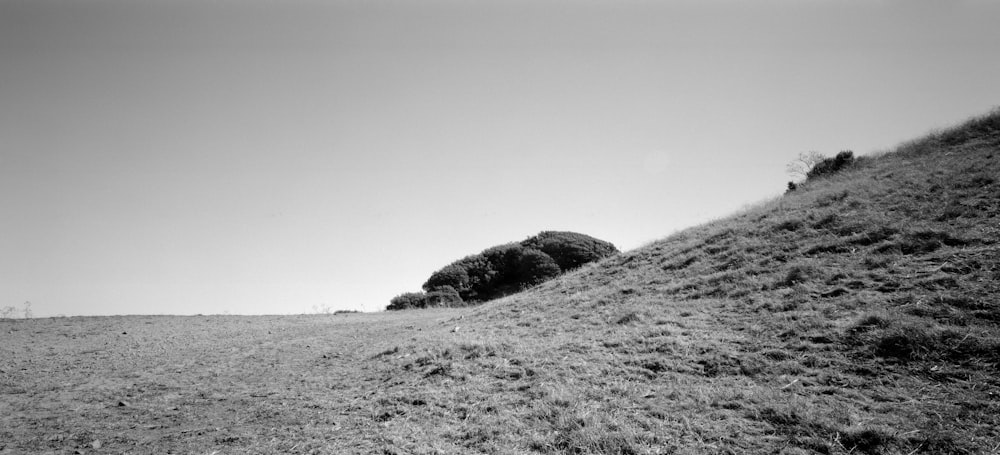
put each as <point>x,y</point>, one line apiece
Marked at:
<point>857,314</point>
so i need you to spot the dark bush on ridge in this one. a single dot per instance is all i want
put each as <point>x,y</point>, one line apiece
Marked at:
<point>407,301</point>
<point>453,276</point>
<point>443,296</point>
<point>534,267</point>
<point>569,249</point>
<point>496,272</point>
<point>830,166</point>
<point>506,269</point>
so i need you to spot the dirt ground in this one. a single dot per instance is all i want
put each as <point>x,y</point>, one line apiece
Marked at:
<point>197,384</point>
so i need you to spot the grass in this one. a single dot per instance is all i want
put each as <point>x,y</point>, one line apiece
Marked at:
<point>857,314</point>
<point>805,324</point>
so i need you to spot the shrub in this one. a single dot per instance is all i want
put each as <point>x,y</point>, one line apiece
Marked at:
<point>443,296</point>
<point>569,249</point>
<point>496,273</point>
<point>512,268</point>
<point>534,267</point>
<point>829,166</point>
<point>505,269</point>
<point>454,276</point>
<point>407,301</point>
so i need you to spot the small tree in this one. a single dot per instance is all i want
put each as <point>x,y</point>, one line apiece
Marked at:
<point>800,167</point>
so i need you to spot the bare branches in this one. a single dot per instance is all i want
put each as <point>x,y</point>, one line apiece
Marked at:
<point>800,167</point>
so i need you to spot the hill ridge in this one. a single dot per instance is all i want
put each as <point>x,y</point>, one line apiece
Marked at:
<point>805,324</point>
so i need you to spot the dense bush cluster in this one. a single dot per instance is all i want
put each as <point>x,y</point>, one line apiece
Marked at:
<point>831,165</point>
<point>812,165</point>
<point>505,269</point>
<point>569,249</point>
<point>442,296</point>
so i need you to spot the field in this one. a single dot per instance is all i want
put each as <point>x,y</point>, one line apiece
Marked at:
<point>199,384</point>
<point>857,314</point>
<point>608,375</point>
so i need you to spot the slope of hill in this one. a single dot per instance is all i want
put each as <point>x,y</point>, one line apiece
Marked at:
<point>857,314</point>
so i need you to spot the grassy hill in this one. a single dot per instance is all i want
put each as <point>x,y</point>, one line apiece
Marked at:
<point>857,314</point>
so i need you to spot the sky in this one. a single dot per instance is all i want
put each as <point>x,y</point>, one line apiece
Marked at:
<point>295,156</point>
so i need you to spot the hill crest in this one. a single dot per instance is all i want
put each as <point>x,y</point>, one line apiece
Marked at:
<point>856,314</point>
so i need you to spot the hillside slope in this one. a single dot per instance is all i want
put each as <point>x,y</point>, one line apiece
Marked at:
<point>858,314</point>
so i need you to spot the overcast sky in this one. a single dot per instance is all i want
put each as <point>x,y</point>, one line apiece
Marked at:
<point>252,156</point>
